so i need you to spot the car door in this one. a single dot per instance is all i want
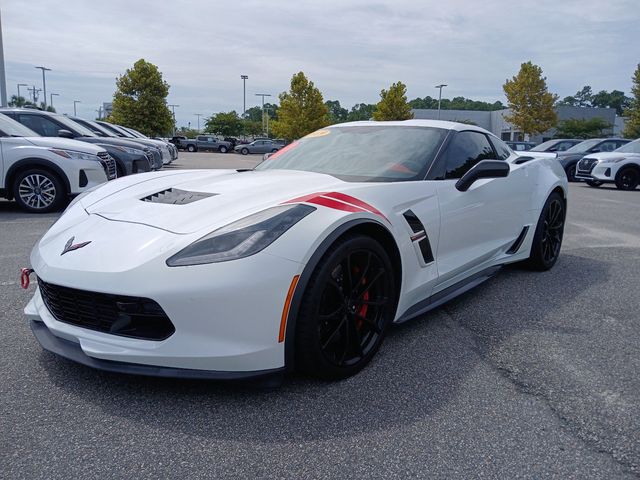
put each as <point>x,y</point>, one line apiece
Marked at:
<point>483,222</point>
<point>39,124</point>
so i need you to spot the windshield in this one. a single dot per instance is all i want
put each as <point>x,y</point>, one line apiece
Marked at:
<point>11,128</point>
<point>75,126</point>
<point>544,146</point>
<point>97,129</point>
<point>631,147</point>
<point>583,146</point>
<point>374,153</point>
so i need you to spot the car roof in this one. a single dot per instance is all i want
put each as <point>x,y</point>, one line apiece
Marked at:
<point>416,123</point>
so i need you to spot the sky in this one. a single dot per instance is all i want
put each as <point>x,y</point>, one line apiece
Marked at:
<point>350,49</point>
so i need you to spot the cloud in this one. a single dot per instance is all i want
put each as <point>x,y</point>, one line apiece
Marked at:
<point>350,49</point>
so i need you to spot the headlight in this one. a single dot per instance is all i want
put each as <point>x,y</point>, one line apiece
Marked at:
<point>243,238</point>
<point>75,155</point>
<point>133,151</point>
<point>614,160</point>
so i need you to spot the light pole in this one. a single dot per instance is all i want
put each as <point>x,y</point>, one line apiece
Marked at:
<point>44,84</point>
<point>440,87</point>
<point>51,95</point>
<point>198,115</point>
<point>21,85</point>
<point>3,78</point>
<point>75,102</point>
<point>173,110</point>
<point>244,94</point>
<point>263,95</point>
<point>34,92</point>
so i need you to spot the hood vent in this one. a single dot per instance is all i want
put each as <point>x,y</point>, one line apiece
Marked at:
<point>175,196</point>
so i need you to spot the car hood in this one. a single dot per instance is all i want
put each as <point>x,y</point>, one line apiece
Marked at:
<point>191,200</point>
<point>611,155</point>
<point>65,144</point>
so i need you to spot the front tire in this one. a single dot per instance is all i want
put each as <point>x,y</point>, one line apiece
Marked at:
<point>223,149</point>
<point>547,239</point>
<point>595,183</point>
<point>346,309</point>
<point>571,173</point>
<point>244,151</point>
<point>628,178</point>
<point>38,191</point>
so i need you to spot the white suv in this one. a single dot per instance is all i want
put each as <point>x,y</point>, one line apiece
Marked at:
<point>622,167</point>
<point>41,173</point>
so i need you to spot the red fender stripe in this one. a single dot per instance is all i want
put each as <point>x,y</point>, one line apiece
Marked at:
<point>355,201</point>
<point>328,202</point>
<point>338,201</point>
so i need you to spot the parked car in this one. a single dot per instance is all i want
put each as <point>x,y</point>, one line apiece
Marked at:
<point>233,142</point>
<point>211,142</point>
<point>360,227</point>
<point>622,167</point>
<point>120,132</point>
<point>151,151</point>
<point>556,145</point>
<point>569,158</point>
<point>139,135</point>
<point>129,157</point>
<point>521,146</point>
<point>258,146</point>
<point>177,141</point>
<point>41,173</point>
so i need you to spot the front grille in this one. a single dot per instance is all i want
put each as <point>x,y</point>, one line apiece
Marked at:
<point>149,155</point>
<point>134,317</point>
<point>586,165</point>
<point>109,165</point>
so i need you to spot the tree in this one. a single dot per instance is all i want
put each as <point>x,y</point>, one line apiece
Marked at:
<point>140,100</point>
<point>302,110</point>
<point>393,104</point>
<point>614,99</point>
<point>632,124</point>
<point>337,114</point>
<point>227,124</point>
<point>530,102</point>
<point>582,128</point>
<point>361,111</point>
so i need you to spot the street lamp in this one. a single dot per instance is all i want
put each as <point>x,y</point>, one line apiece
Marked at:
<point>21,85</point>
<point>51,95</point>
<point>244,94</point>
<point>263,95</point>
<point>75,102</point>
<point>440,87</point>
<point>198,115</point>
<point>44,84</point>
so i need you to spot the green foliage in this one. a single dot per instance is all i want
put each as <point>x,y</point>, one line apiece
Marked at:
<point>140,100</point>
<point>227,124</point>
<point>254,114</point>
<point>632,125</point>
<point>603,99</point>
<point>337,114</point>
<point>393,104</point>
<point>361,111</point>
<point>187,132</point>
<point>302,110</point>
<point>579,128</point>
<point>456,103</point>
<point>20,101</point>
<point>530,102</point>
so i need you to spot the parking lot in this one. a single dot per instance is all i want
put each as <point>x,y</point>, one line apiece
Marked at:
<point>531,375</point>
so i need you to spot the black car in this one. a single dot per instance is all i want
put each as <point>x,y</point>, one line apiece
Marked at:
<point>129,156</point>
<point>154,153</point>
<point>521,146</point>
<point>556,145</point>
<point>570,158</point>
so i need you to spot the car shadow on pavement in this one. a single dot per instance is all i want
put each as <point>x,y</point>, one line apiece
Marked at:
<point>419,370</point>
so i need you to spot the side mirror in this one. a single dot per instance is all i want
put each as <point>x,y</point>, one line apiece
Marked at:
<point>65,133</point>
<point>483,169</point>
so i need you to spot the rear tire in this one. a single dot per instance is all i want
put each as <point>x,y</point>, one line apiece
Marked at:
<point>628,178</point>
<point>191,148</point>
<point>244,151</point>
<point>547,239</point>
<point>346,309</point>
<point>223,149</point>
<point>38,191</point>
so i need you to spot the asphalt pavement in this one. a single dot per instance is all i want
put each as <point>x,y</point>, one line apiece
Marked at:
<point>530,375</point>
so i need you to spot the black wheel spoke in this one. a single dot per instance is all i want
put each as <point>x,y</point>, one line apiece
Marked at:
<point>372,325</point>
<point>374,303</point>
<point>334,333</point>
<point>354,335</point>
<point>370,284</point>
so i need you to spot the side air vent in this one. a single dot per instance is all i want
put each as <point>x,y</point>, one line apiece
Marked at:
<point>419,235</point>
<point>175,196</point>
<point>518,242</point>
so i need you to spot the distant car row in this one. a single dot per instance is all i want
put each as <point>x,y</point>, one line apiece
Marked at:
<point>228,144</point>
<point>47,158</point>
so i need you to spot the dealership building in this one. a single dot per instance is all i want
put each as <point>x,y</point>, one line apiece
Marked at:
<point>494,121</point>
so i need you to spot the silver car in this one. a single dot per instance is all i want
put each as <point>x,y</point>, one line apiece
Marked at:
<point>258,146</point>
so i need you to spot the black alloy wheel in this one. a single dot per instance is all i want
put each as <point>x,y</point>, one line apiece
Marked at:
<point>547,239</point>
<point>346,309</point>
<point>627,178</point>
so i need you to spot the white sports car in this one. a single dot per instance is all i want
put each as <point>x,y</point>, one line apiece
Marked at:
<point>622,167</point>
<point>303,262</point>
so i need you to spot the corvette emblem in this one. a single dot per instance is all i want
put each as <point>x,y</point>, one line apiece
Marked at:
<point>70,246</point>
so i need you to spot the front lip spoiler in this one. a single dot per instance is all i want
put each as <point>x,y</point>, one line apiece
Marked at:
<point>73,352</point>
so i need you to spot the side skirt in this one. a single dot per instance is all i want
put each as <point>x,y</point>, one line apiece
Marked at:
<point>448,293</point>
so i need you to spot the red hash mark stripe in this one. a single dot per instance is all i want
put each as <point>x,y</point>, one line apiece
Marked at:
<point>338,201</point>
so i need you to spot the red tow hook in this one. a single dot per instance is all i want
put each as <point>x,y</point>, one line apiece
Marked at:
<point>24,277</point>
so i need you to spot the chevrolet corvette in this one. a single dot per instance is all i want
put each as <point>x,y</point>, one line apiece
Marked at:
<point>304,262</point>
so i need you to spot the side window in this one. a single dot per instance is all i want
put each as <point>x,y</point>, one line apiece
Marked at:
<point>562,146</point>
<point>41,125</point>
<point>502,149</point>
<point>465,150</point>
<point>607,146</point>
<point>619,144</point>
<point>200,138</point>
